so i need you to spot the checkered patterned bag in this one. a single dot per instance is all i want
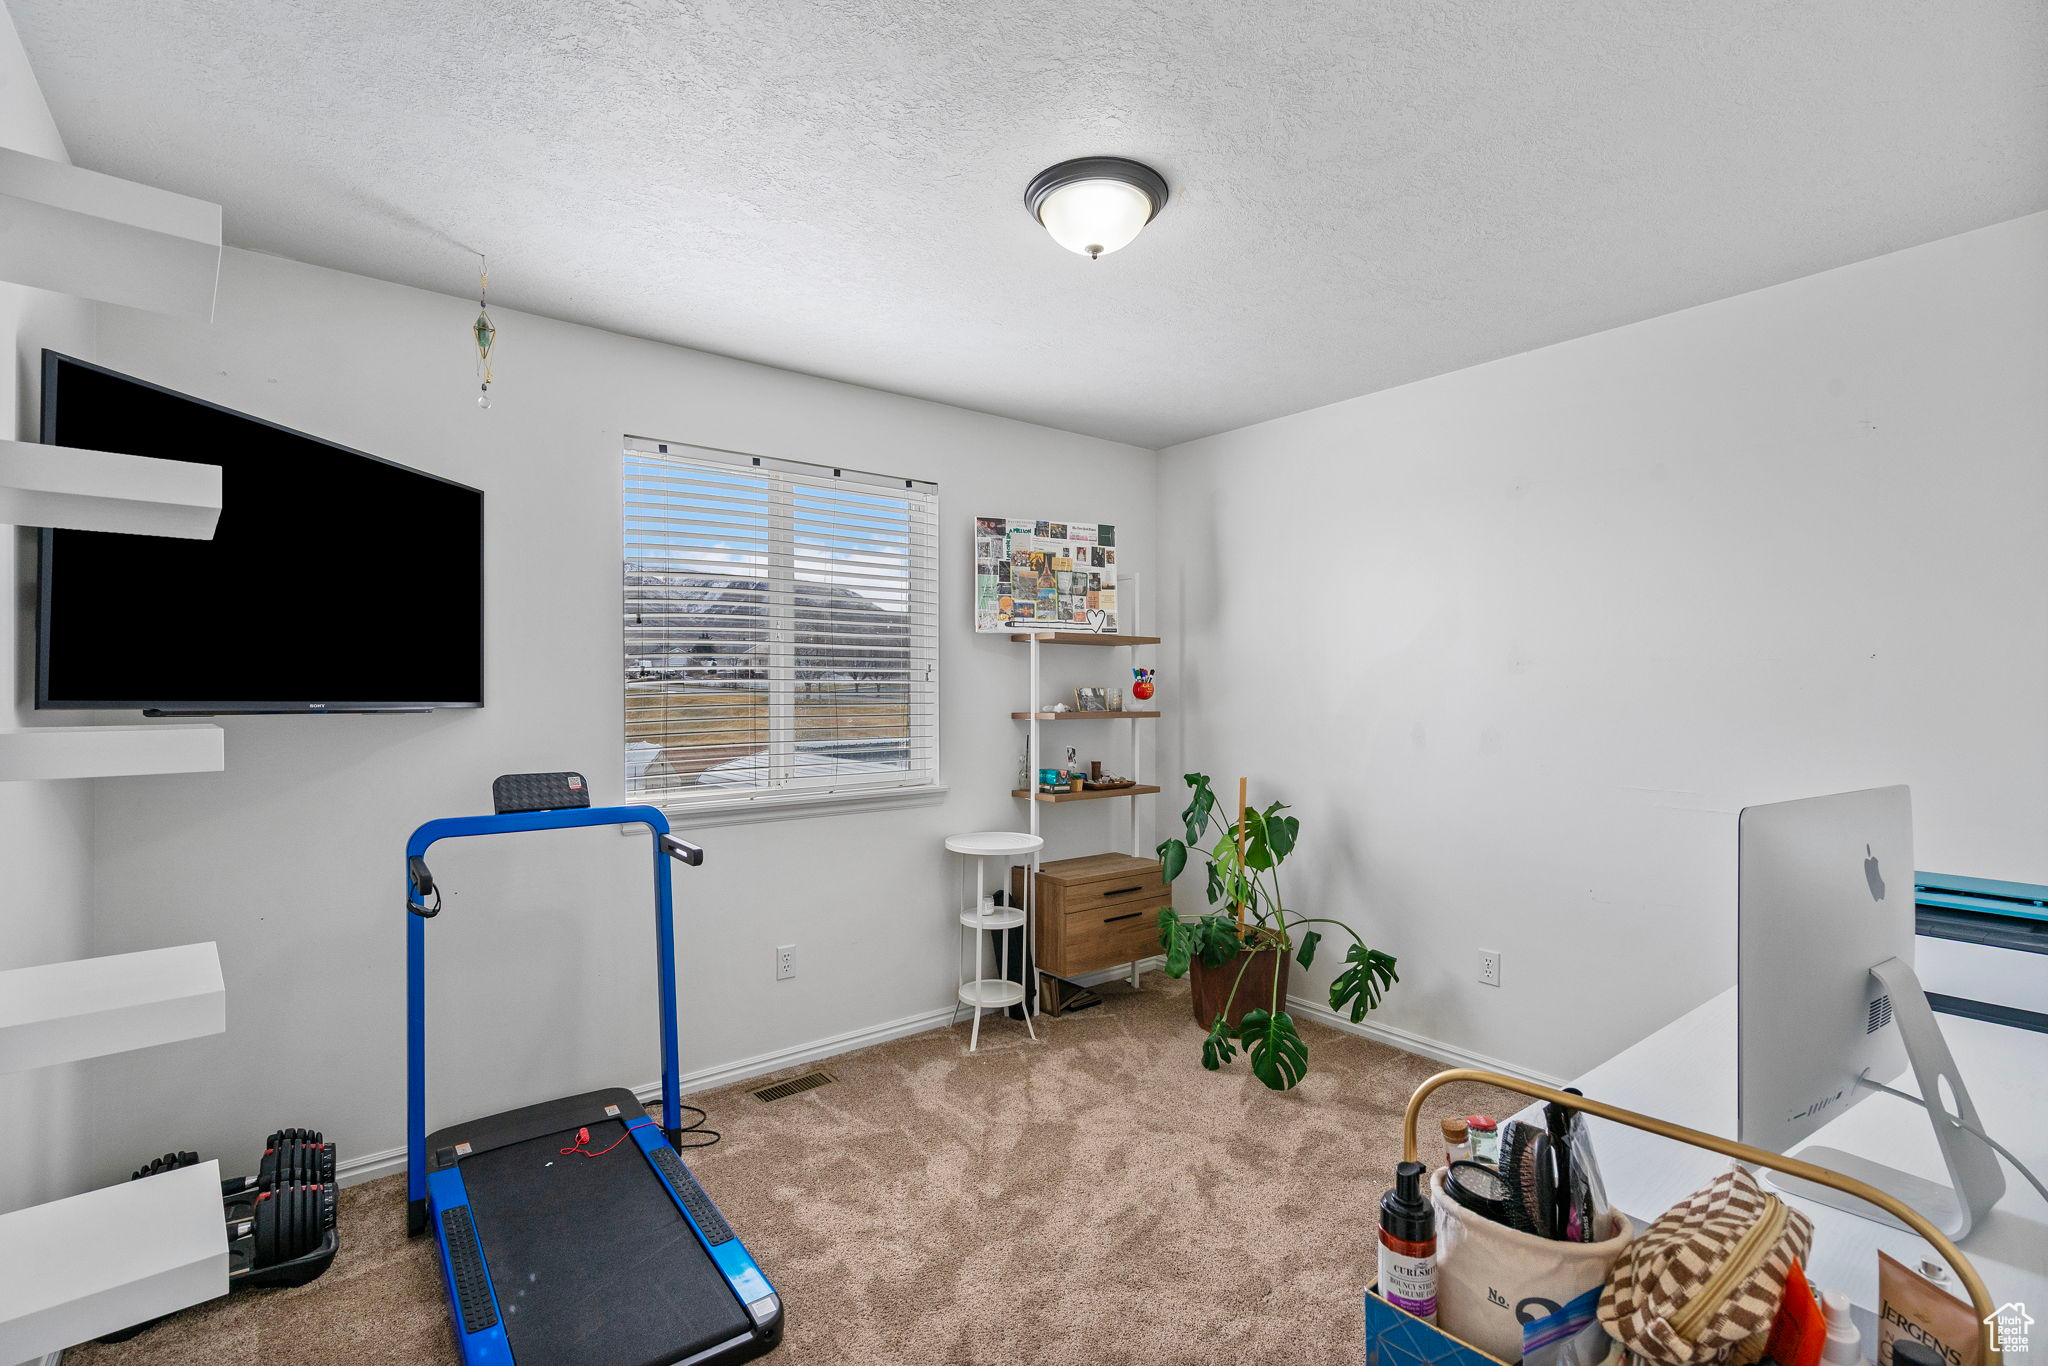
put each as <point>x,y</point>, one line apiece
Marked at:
<point>1701,1285</point>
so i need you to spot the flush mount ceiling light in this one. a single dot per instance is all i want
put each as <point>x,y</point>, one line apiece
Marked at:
<point>1094,205</point>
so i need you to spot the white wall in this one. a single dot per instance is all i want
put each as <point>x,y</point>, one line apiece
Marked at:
<point>542,975</point>
<point>45,870</point>
<point>1519,641</point>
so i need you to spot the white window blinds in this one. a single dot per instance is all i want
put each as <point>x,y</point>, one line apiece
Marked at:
<point>781,628</point>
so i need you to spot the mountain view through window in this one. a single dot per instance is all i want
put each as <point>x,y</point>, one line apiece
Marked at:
<point>780,628</point>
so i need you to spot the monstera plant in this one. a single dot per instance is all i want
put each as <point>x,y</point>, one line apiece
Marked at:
<point>1241,948</point>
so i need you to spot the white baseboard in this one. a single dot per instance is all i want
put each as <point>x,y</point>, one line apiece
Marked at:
<point>356,1170</point>
<point>370,1166</point>
<point>1434,1049</point>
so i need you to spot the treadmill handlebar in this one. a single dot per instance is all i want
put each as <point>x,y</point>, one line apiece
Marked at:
<point>421,886</point>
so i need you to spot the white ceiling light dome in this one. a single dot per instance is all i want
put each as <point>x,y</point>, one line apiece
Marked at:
<point>1094,205</point>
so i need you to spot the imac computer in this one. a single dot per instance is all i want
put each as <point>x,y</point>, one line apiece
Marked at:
<point>1828,1007</point>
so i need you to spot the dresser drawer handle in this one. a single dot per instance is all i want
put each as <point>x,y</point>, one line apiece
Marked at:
<point>1128,915</point>
<point>1121,890</point>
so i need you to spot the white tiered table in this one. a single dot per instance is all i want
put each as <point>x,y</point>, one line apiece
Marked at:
<point>978,916</point>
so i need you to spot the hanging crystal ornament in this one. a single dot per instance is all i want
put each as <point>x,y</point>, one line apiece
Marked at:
<point>483,331</point>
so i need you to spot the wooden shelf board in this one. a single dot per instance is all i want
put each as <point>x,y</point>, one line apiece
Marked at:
<point>1084,715</point>
<point>1082,638</point>
<point>1140,790</point>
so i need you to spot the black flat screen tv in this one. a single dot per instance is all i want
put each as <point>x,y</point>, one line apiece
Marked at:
<point>336,581</point>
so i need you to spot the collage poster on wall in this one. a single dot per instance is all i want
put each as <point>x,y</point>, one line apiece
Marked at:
<point>1058,575</point>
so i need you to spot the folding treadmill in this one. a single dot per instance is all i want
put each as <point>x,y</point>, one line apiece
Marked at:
<point>555,1258</point>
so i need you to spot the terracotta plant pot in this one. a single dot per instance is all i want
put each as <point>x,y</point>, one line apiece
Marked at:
<point>1254,990</point>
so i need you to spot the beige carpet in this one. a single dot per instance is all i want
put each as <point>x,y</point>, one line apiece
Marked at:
<point>1092,1199</point>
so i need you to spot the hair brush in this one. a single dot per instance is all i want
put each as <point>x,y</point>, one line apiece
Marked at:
<point>1525,1164</point>
<point>1480,1188</point>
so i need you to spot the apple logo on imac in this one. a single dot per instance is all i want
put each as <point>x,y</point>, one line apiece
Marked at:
<point>1871,875</point>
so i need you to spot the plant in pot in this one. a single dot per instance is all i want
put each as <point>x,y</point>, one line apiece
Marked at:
<point>1241,949</point>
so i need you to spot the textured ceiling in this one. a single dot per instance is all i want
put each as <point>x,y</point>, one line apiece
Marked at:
<point>1364,194</point>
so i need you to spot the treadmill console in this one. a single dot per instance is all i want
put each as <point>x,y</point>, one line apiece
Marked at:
<point>539,792</point>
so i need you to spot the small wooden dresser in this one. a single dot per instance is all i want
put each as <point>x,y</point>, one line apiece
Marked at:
<point>1096,912</point>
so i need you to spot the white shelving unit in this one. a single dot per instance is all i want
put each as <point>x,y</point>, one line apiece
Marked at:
<point>82,490</point>
<point>1037,717</point>
<point>39,752</point>
<point>1035,741</point>
<point>90,1007</point>
<point>109,1258</point>
<point>100,237</point>
<point>76,1268</point>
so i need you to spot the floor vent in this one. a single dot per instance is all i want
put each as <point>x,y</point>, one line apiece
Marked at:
<point>809,1081</point>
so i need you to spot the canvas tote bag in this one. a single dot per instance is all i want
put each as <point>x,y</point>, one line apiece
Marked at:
<point>1492,1279</point>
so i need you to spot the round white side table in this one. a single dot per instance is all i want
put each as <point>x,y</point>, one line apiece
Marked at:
<point>978,917</point>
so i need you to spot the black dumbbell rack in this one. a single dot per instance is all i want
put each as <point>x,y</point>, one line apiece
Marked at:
<point>247,1265</point>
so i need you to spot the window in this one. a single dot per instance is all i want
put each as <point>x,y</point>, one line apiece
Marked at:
<point>781,629</point>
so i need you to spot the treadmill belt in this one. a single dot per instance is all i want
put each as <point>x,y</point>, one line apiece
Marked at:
<point>591,1259</point>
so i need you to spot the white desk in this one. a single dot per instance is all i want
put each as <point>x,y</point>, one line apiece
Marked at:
<point>1685,1073</point>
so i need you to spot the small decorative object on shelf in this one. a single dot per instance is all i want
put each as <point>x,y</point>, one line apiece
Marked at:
<point>1116,700</point>
<point>1091,699</point>
<point>1142,689</point>
<point>1051,780</point>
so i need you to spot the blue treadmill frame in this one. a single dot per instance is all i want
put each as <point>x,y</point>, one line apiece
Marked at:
<point>428,1195</point>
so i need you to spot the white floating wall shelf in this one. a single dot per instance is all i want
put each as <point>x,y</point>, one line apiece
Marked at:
<point>34,753</point>
<point>63,486</point>
<point>90,1007</point>
<point>110,1258</point>
<point>97,236</point>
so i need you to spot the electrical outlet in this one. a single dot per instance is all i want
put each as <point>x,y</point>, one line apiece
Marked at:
<point>785,962</point>
<point>1489,967</point>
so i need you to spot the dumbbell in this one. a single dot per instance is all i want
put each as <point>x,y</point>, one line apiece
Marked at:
<point>287,1221</point>
<point>169,1162</point>
<point>289,1155</point>
<point>285,1213</point>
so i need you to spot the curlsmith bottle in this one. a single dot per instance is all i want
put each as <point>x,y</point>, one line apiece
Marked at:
<point>1408,1244</point>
